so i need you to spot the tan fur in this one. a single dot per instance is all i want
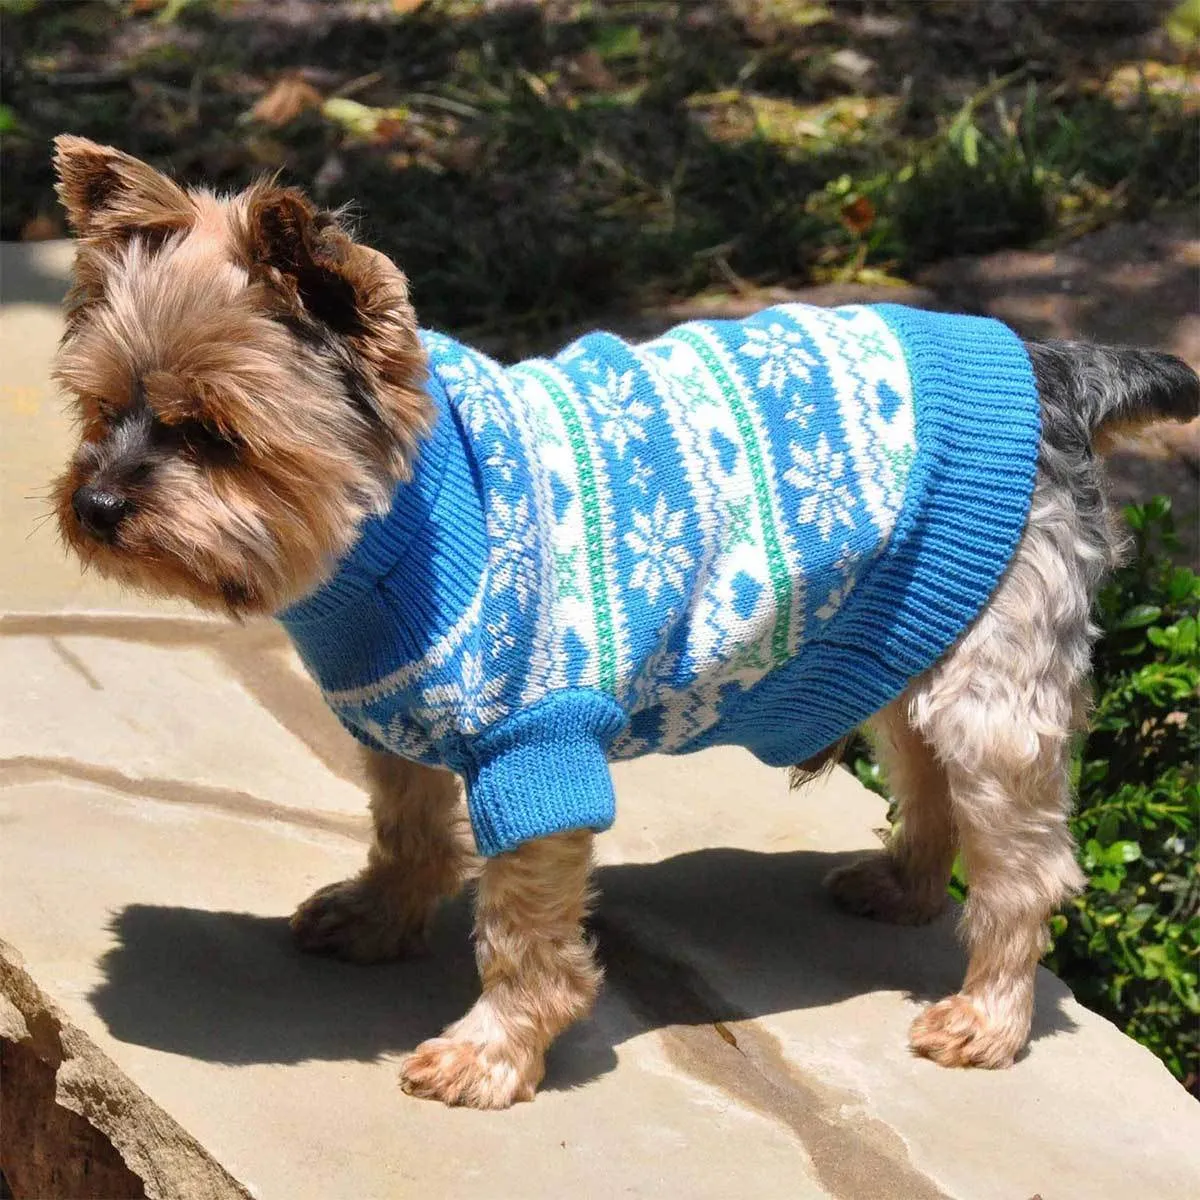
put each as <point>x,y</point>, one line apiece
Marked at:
<point>538,972</point>
<point>248,385</point>
<point>1000,712</point>
<point>906,883</point>
<point>977,751</point>
<point>110,195</point>
<point>421,855</point>
<point>190,321</point>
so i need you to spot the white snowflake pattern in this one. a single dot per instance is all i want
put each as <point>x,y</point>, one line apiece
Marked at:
<point>623,417</point>
<point>512,561</point>
<point>641,475</point>
<point>401,736</point>
<point>579,353</point>
<point>781,355</point>
<point>819,474</point>
<point>800,410</point>
<point>501,462</point>
<point>655,538</point>
<point>466,705</point>
<point>481,400</point>
<point>501,636</point>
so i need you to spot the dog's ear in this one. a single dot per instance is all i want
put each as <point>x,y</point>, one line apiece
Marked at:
<point>108,194</point>
<point>304,253</point>
<point>332,285</point>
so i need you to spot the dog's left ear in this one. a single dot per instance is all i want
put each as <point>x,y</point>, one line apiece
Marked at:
<point>303,252</point>
<point>323,276</point>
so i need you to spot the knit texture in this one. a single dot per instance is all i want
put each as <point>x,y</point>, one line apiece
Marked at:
<point>751,532</point>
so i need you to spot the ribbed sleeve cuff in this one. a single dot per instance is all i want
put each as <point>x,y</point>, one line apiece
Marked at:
<point>543,771</point>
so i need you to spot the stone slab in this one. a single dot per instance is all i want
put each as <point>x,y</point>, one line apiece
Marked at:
<point>171,787</point>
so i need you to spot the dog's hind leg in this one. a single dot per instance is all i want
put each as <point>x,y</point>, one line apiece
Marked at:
<point>906,883</point>
<point>1011,814</point>
<point>1000,711</point>
<point>419,856</point>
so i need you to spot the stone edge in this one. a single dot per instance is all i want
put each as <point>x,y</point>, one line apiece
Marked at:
<point>170,1163</point>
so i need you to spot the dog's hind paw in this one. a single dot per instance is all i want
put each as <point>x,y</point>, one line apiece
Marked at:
<point>354,921</point>
<point>955,1032</point>
<point>872,887</point>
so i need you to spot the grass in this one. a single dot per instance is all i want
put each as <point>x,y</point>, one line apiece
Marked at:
<point>531,168</point>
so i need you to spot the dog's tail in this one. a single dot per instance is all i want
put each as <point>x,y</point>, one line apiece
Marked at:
<point>1114,389</point>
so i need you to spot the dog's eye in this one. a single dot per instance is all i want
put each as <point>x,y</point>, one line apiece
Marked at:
<point>206,439</point>
<point>106,408</point>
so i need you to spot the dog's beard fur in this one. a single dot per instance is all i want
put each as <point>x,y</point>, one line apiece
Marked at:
<point>247,381</point>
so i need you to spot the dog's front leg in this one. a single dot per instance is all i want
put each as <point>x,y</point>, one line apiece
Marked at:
<point>419,856</point>
<point>538,973</point>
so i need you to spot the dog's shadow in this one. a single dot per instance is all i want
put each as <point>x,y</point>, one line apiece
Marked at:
<point>230,987</point>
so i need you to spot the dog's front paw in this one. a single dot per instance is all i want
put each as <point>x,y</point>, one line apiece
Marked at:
<point>872,887</point>
<point>473,1074</point>
<point>956,1032</point>
<point>355,921</point>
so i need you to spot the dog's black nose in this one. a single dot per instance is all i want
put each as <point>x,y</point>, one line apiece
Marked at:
<point>99,512</point>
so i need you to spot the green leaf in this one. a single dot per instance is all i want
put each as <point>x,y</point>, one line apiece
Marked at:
<point>1106,831</point>
<point>1153,954</point>
<point>1182,584</point>
<point>1135,517</point>
<point>1128,851</point>
<point>1157,508</point>
<point>970,145</point>
<point>619,41</point>
<point>1138,616</point>
<point>1187,631</point>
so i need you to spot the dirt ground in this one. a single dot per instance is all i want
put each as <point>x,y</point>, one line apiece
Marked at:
<point>536,165</point>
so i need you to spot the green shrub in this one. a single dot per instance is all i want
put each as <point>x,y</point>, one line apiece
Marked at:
<point>1129,946</point>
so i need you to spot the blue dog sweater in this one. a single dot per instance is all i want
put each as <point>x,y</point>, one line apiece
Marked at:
<point>751,532</point>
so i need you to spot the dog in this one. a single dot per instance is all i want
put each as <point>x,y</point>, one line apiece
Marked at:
<point>265,430</point>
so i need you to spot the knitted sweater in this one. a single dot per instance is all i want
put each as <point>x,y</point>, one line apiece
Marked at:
<point>751,532</point>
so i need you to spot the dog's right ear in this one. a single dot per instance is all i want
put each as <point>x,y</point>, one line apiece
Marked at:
<point>111,195</point>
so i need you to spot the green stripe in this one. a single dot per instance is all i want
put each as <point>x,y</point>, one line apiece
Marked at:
<point>593,525</point>
<point>781,580</point>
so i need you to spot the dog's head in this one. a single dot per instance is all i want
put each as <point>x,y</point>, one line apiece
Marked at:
<point>247,381</point>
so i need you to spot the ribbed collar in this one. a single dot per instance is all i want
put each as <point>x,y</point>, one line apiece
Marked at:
<point>385,539</point>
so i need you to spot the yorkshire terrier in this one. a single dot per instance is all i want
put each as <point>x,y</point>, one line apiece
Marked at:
<point>766,533</point>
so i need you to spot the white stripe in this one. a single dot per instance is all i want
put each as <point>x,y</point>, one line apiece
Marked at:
<point>550,458</point>
<point>436,656</point>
